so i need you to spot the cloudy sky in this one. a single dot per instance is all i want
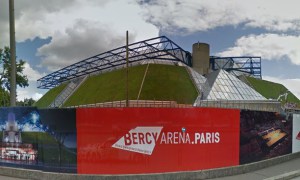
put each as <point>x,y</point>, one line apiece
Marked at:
<point>53,34</point>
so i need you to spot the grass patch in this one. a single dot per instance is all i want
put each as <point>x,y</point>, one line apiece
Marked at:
<point>110,86</point>
<point>50,96</point>
<point>163,82</point>
<point>272,90</point>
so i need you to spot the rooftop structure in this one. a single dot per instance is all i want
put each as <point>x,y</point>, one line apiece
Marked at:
<point>215,78</point>
<point>159,49</point>
<point>238,65</point>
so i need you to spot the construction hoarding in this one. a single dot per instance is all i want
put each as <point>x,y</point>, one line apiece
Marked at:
<point>153,140</point>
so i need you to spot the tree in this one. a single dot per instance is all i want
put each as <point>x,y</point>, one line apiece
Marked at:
<point>26,102</point>
<point>4,97</point>
<point>5,69</point>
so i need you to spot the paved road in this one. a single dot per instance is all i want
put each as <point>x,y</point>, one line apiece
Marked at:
<point>278,169</point>
<point>268,172</point>
<point>9,178</point>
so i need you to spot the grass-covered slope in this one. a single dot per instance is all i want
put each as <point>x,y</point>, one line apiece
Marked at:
<point>110,86</point>
<point>272,90</point>
<point>49,97</point>
<point>165,82</point>
<point>162,82</point>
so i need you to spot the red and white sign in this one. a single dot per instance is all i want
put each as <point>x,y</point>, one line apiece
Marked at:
<point>154,140</point>
<point>140,140</point>
<point>143,139</point>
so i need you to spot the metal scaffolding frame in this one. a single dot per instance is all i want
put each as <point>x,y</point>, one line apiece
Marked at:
<point>245,64</point>
<point>159,48</point>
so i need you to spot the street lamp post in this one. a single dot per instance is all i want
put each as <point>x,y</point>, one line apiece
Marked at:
<point>12,54</point>
<point>127,97</point>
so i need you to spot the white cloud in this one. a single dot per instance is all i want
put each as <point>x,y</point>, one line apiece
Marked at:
<point>292,85</point>
<point>32,74</point>
<point>25,94</point>
<point>30,91</point>
<point>188,16</point>
<point>81,41</point>
<point>29,18</point>
<point>37,96</point>
<point>92,31</point>
<point>54,18</point>
<point>184,16</point>
<point>268,46</point>
<point>44,18</point>
<point>78,29</point>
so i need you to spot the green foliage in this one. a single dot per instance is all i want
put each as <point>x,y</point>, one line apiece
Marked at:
<point>4,97</point>
<point>162,82</point>
<point>26,102</point>
<point>49,97</point>
<point>5,70</point>
<point>271,90</point>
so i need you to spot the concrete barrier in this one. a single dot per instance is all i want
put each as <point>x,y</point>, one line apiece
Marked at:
<point>201,174</point>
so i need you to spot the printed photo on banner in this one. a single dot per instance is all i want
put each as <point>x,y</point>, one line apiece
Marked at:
<point>264,135</point>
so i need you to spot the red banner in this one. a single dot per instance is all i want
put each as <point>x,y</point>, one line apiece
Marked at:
<point>153,140</point>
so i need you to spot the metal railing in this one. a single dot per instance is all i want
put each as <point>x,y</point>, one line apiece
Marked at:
<point>136,103</point>
<point>271,106</point>
<point>67,92</point>
<point>257,105</point>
